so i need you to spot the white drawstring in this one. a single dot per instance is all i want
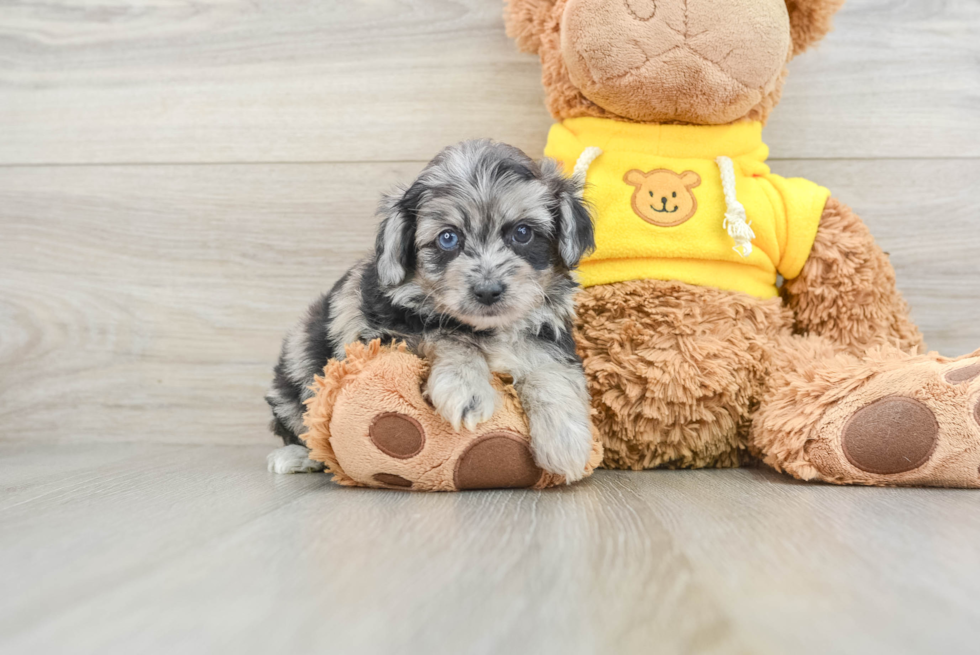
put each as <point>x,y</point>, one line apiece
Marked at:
<point>735,221</point>
<point>584,161</point>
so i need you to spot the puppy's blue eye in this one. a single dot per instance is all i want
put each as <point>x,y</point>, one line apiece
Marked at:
<point>448,240</point>
<point>522,234</point>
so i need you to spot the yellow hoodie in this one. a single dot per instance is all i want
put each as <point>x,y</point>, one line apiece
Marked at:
<point>662,213</point>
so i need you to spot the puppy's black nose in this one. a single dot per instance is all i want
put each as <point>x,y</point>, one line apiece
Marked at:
<point>487,293</point>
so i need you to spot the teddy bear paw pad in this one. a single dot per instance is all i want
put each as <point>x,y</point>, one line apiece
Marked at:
<point>963,374</point>
<point>397,435</point>
<point>891,435</point>
<point>498,460</point>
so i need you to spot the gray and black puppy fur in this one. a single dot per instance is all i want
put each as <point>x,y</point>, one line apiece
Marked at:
<point>472,268</point>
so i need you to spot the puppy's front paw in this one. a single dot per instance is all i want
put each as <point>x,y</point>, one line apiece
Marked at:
<point>561,443</point>
<point>292,459</point>
<point>463,400</point>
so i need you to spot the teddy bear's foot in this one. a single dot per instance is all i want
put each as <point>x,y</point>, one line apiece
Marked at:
<point>912,421</point>
<point>373,427</point>
<point>497,460</point>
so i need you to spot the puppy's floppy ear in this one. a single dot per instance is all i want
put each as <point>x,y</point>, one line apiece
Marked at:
<point>395,244</point>
<point>525,22</point>
<point>810,21</point>
<point>573,221</point>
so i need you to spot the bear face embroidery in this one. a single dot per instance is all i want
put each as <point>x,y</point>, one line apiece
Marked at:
<point>663,197</point>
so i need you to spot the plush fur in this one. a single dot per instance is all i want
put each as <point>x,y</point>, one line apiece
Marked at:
<point>847,292</point>
<point>810,21</point>
<point>685,376</point>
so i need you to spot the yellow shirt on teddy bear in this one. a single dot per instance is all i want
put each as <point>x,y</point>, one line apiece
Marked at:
<point>660,204</point>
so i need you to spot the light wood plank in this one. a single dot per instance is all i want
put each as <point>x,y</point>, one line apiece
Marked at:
<point>230,81</point>
<point>151,548</point>
<point>826,569</point>
<point>148,303</point>
<point>895,79</point>
<point>79,520</point>
<point>200,550</point>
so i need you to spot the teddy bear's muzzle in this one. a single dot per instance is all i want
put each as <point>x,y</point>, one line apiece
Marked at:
<point>699,61</point>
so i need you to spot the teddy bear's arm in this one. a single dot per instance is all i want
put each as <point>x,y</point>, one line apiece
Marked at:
<point>846,290</point>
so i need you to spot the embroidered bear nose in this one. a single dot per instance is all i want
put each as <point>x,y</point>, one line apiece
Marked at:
<point>664,200</point>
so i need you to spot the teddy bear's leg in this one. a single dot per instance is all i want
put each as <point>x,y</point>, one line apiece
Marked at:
<point>846,291</point>
<point>372,426</point>
<point>889,418</point>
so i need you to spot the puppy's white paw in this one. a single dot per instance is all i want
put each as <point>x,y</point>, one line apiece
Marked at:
<point>462,399</point>
<point>561,443</point>
<point>292,459</point>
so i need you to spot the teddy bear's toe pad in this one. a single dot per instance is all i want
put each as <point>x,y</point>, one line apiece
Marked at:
<point>891,435</point>
<point>397,435</point>
<point>964,374</point>
<point>497,461</point>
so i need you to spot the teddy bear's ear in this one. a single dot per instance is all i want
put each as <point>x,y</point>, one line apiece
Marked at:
<point>525,22</point>
<point>810,21</point>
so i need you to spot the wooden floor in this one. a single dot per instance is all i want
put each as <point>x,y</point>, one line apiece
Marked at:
<point>134,548</point>
<point>179,179</point>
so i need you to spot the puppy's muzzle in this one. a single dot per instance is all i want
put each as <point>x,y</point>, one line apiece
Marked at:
<point>487,293</point>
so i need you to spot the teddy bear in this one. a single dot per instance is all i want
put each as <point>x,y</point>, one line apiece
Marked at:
<point>729,314</point>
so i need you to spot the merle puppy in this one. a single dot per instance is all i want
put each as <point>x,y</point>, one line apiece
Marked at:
<point>472,269</point>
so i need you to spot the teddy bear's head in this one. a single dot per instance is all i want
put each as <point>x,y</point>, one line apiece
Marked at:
<point>705,62</point>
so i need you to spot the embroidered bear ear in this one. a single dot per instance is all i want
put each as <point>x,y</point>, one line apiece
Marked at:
<point>525,21</point>
<point>810,21</point>
<point>637,177</point>
<point>690,179</point>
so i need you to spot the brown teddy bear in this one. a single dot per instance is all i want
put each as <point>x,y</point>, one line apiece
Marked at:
<point>696,354</point>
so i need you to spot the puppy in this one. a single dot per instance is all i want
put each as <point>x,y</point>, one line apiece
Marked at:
<point>472,268</point>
